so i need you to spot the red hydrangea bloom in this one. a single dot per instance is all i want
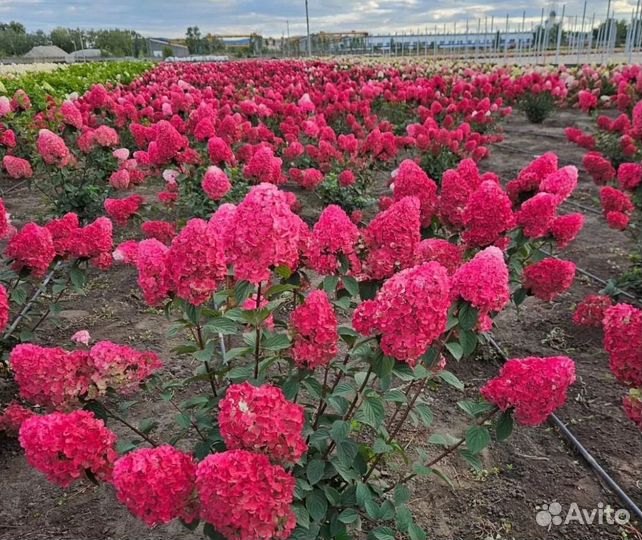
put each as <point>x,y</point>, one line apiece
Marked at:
<point>220,152</point>
<point>120,210</point>
<point>587,100</point>
<point>346,178</point>
<point>245,497</point>
<point>106,136</point>
<point>157,485</point>
<point>16,167</point>
<point>487,215</point>
<point>13,417</point>
<point>633,409</point>
<point>315,331</point>
<point>120,179</point>
<point>455,191</point>
<point>71,115</point>
<point>566,228</point>
<point>93,242</point>
<point>31,248</point>
<point>617,220</point>
<point>61,230</point>
<point>615,202</point>
<point>215,183</point>
<point>120,367</point>
<point>263,233</point>
<point>483,281</point>
<point>449,255</point>
<point>261,420</point>
<point>534,387</point>
<point>168,198</point>
<point>163,231</point>
<point>51,377</point>
<point>561,182</point>
<point>151,262</point>
<point>392,237</point>
<point>66,446</point>
<point>4,308</point>
<point>591,310</point>
<point>412,181</point>
<point>333,235</point>
<point>410,311</point>
<point>126,252</point>
<point>52,149</point>
<point>196,262</point>
<point>167,143</point>
<point>536,214</point>
<point>5,223</point>
<point>629,175</point>
<point>264,166</point>
<point>623,341</point>
<point>598,167</point>
<point>549,278</point>
<point>530,177</point>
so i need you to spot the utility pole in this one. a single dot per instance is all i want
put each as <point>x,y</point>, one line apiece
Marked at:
<point>307,23</point>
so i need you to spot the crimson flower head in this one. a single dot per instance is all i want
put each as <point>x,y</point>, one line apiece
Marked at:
<point>314,324</point>
<point>120,210</point>
<point>245,497</point>
<point>410,311</point>
<point>598,167</point>
<point>261,420</point>
<point>533,387</point>
<point>16,167</point>
<point>623,341</point>
<point>333,235</point>
<point>549,278</point>
<point>263,233</point>
<point>564,229</point>
<point>392,238</point>
<point>215,183</point>
<point>590,311</point>
<point>196,262</point>
<point>157,485</point>
<point>412,181</point>
<point>483,281</point>
<point>264,166</point>
<point>449,255</point>
<point>31,248</point>
<point>487,215</point>
<point>68,446</point>
<point>52,149</point>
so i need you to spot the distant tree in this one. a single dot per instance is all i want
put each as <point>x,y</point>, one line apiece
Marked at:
<point>61,37</point>
<point>194,40</point>
<point>167,51</point>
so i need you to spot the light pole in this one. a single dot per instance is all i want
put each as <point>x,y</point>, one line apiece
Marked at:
<point>307,23</point>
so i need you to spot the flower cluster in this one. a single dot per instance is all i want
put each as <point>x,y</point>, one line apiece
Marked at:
<point>590,311</point>
<point>31,248</point>
<point>157,485</point>
<point>412,181</point>
<point>120,210</point>
<point>549,278</point>
<point>314,324</point>
<point>392,238</point>
<point>68,446</point>
<point>16,167</point>
<point>261,420</point>
<point>449,255</point>
<point>245,497</point>
<point>487,215</point>
<point>410,311</point>
<point>13,417</point>
<point>215,183</point>
<point>534,387</point>
<point>617,207</point>
<point>623,342</point>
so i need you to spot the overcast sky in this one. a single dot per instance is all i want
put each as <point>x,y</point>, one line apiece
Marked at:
<point>170,18</point>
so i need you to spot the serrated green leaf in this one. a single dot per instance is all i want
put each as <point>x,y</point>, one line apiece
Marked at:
<point>504,426</point>
<point>451,379</point>
<point>316,504</point>
<point>455,349</point>
<point>477,438</point>
<point>314,471</point>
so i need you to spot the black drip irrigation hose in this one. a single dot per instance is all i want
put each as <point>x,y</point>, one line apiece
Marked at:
<point>598,279</point>
<point>579,447</point>
<point>583,207</point>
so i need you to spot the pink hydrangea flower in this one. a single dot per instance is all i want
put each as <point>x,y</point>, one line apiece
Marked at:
<point>81,337</point>
<point>215,183</point>
<point>623,341</point>
<point>487,215</point>
<point>412,181</point>
<point>549,278</point>
<point>13,417</point>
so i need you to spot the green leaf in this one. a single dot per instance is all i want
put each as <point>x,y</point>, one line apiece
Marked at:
<point>368,289</point>
<point>351,285</point>
<point>471,458</point>
<point>475,409</point>
<point>221,325</point>
<point>78,278</point>
<point>363,494</point>
<point>314,471</point>
<point>403,517</point>
<point>349,515</point>
<point>316,504</point>
<point>425,413</point>
<point>330,284</point>
<point>442,439</point>
<point>468,316</point>
<point>372,411</point>
<point>504,426</point>
<point>276,342</point>
<point>147,425</point>
<point>302,515</point>
<point>382,533</point>
<point>211,532</point>
<point>283,272</point>
<point>242,291</point>
<point>451,379</point>
<point>477,438</point>
<point>468,342</point>
<point>339,430</point>
<point>455,349</point>
<point>415,532</point>
<point>395,396</point>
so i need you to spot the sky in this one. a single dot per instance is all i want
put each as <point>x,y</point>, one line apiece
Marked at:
<point>170,18</point>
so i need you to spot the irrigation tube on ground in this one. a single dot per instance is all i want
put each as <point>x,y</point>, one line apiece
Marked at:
<point>577,445</point>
